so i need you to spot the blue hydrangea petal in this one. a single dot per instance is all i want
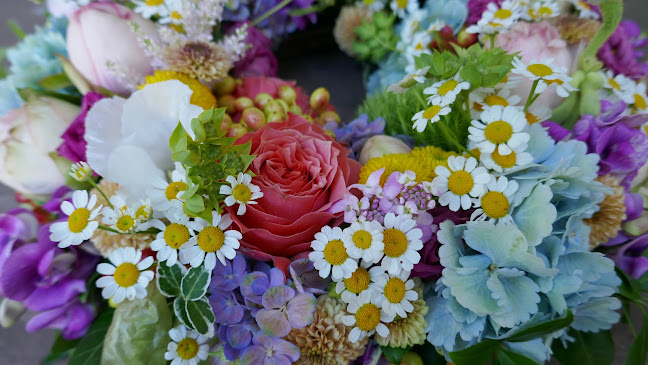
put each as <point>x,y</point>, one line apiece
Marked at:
<point>468,286</point>
<point>516,294</point>
<point>535,216</point>
<point>597,314</point>
<point>535,349</point>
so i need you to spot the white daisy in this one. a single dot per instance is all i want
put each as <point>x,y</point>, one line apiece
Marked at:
<point>459,182</point>
<point>411,25</point>
<point>125,221</point>
<point>364,240</point>
<point>163,193</point>
<point>187,347</point>
<point>621,85</point>
<point>143,210</point>
<point>409,80</point>
<point>170,239</point>
<point>638,99</point>
<point>366,317</point>
<point>561,82</point>
<point>488,27</point>
<point>150,8</point>
<point>397,293</point>
<point>585,10</point>
<point>80,224</point>
<point>126,276</point>
<point>538,69</point>
<point>402,242</point>
<point>501,128</point>
<point>330,256</point>
<point>360,281</point>
<point>500,163</point>
<point>403,7</point>
<point>241,192</point>
<point>81,171</point>
<point>447,90</point>
<point>430,115</point>
<point>487,97</point>
<point>541,10</point>
<point>212,241</point>
<point>537,113</point>
<point>436,26</point>
<point>507,13</point>
<point>109,213</point>
<point>496,202</point>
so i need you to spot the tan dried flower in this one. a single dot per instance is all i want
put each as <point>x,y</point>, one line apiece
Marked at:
<point>201,60</point>
<point>350,17</point>
<point>575,30</point>
<point>606,223</point>
<point>408,331</point>
<point>325,341</point>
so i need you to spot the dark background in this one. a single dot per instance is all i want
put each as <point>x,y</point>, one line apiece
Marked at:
<point>309,57</point>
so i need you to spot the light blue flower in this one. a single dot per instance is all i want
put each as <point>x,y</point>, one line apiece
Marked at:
<point>9,98</point>
<point>450,12</point>
<point>390,71</point>
<point>443,329</point>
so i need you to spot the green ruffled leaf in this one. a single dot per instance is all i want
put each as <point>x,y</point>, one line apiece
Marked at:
<point>186,158</point>
<point>89,349</point>
<point>639,347</point>
<point>506,357</point>
<point>478,354</point>
<point>179,138</point>
<point>169,279</point>
<point>195,283</point>
<point>543,328</point>
<point>198,129</point>
<point>55,82</point>
<point>589,349</point>
<point>471,74</point>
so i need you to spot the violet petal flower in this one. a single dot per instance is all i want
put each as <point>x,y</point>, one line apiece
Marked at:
<point>226,308</point>
<point>307,278</point>
<point>229,276</point>
<point>270,351</point>
<point>73,319</point>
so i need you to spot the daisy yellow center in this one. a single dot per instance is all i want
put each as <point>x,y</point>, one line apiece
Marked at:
<point>368,317</point>
<point>540,70</point>
<point>142,212</point>
<point>395,290</point>
<point>431,112</point>
<point>395,242</point>
<point>125,223</point>
<point>447,87</point>
<point>175,235</point>
<point>211,239</point>
<point>402,4</point>
<point>478,107</point>
<point>531,118</point>
<point>176,15</point>
<point>495,204</point>
<point>201,96</point>
<point>503,14</point>
<point>174,188</point>
<point>242,193</point>
<point>188,348</point>
<point>615,85</point>
<point>78,220</point>
<point>154,2</point>
<point>545,11</point>
<point>492,100</point>
<point>498,132</point>
<point>640,101</point>
<point>362,239</point>
<point>419,46</point>
<point>476,152</point>
<point>494,25</point>
<point>358,282</point>
<point>126,274</point>
<point>584,5</point>
<point>335,253</point>
<point>505,162</point>
<point>460,182</point>
<point>556,81</point>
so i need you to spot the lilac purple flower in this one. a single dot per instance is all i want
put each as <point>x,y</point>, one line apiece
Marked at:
<point>256,283</point>
<point>226,306</point>
<point>284,309</point>
<point>356,133</point>
<point>278,24</point>
<point>306,278</point>
<point>229,276</point>
<point>630,259</point>
<point>237,337</point>
<point>622,51</point>
<point>269,350</point>
<point>74,144</point>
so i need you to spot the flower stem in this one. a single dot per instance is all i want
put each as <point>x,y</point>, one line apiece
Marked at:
<point>532,95</point>
<point>108,229</point>
<point>270,12</point>
<point>94,184</point>
<point>492,40</point>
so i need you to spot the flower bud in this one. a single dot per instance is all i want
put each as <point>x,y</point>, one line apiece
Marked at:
<point>329,116</point>
<point>262,99</point>
<point>275,118</point>
<point>274,107</point>
<point>237,130</point>
<point>228,102</point>
<point>226,123</point>
<point>637,227</point>
<point>378,146</point>
<point>320,98</point>
<point>243,103</point>
<point>225,86</point>
<point>287,93</point>
<point>253,118</point>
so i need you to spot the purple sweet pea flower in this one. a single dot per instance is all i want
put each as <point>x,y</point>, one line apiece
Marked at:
<point>259,60</point>
<point>283,310</point>
<point>226,307</point>
<point>229,276</point>
<point>621,52</point>
<point>73,319</point>
<point>59,196</point>
<point>17,227</point>
<point>74,143</point>
<point>630,257</point>
<point>270,351</point>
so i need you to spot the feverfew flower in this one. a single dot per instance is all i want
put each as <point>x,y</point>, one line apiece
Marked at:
<point>496,202</point>
<point>638,99</point>
<point>402,243</point>
<point>562,83</point>
<point>430,115</point>
<point>538,69</point>
<point>163,194</point>
<point>366,317</point>
<point>446,90</point>
<point>125,221</point>
<point>81,171</point>
<point>330,256</point>
<point>127,276</point>
<point>409,80</point>
<point>241,192</point>
<point>585,10</point>
<point>359,282</point>
<point>187,347</point>
<point>482,98</point>
<point>170,239</point>
<point>212,241</point>
<point>501,128</point>
<point>459,182</point>
<point>149,8</point>
<point>364,240</point>
<point>620,85</point>
<point>497,18</point>
<point>402,7</point>
<point>397,293</point>
<point>80,224</point>
<point>497,162</point>
<point>541,10</point>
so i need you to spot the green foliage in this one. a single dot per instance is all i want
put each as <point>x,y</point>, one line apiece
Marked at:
<point>588,349</point>
<point>478,354</point>
<point>61,349</point>
<point>542,329</point>
<point>194,284</point>
<point>210,158</point>
<point>394,354</point>
<point>429,354</point>
<point>90,347</point>
<point>506,357</point>
<point>377,37</point>
<point>169,279</point>
<point>55,82</point>
<point>632,293</point>
<point>639,347</point>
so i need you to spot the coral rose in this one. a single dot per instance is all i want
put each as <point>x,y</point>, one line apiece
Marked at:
<point>301,172</point>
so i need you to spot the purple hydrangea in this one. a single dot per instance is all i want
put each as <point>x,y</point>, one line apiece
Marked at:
<point>269,350</point>
<point>356,133</point>
<point>279,24</point>
<point>285,309</point>
<point>622,51</point>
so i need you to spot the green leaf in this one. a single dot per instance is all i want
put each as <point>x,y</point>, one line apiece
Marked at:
<point>16,29</point>
<point>195,283</point>
<point>201,316</point>
<point>471,74</point>
<point>61,348</point>
<point>543,328</point>
<point>630,287</point>
<point>478,354</point>
<point>169,279</point>
<point>55,82</point>
<point>88,352</point>
<point>180,311</point>
<point>195,204</point>
<point>75,77</point>
<point>506,357</point>
<point>198,129</point>
<point>27,93</point>
<point>589,349</point>
<point>178,139</point>
<point>429,354</point>
<point>394,354</point>
<point>186,158</point>
<point>639,347</point>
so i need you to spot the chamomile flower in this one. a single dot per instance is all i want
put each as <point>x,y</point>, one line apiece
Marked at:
<point>212,242</point>
<point>487,97</point>
<point>500,128</point>
<point>430,115</point>
<point>170,239</point>
<point>402,242</point>
<point>412,25</point>
<point>109,214</point>
<point>638,99</point>
<point>541,10</point>
<point>80,224</point>
<point>241,191</point>
<point>163,193</point>
<point>329,255</point>
<point>366,317</point>
<point>537,113</point>
<point>538,69</point>
<point>496,202</point>
<point>409,80</point>
<point>507,13</point>
<point>585,10</point>
<point>126,276</point>
<point>150,8</point>
<point>397,293</point>
<point>360,281</point>
<point>364,240</point>
<point>488,27</point>
<point>561,82</point>
<point>187,347</point>
<point>81,171</point>
<point>125,221</point>
<point>620,85</point>
<point>501,163</point>
<point>458,183</point>
<point>435,26</point>
<point>445,92</point>
<point>403,7</point>
<point>143,210</point>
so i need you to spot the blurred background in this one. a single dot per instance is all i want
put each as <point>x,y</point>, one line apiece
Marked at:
<point>313,64</point>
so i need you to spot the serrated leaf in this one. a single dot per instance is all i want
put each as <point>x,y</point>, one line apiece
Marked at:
<point>639,347</point>
<point>88,352</point>
<point>588,349</point>
<point>169,279</point>
<point>179,138</point>
<point>195,283</point>
<point>55,82</point>
<point>394,354</point>
<point>198,129</point>
<point>195,204</point>
<point>201,316</point>
<point>478,354</point>
<point>543,328</point>
<point>205,117</point>
<point>506,357</point>
<point>186,158</point>
<point>471,74</point>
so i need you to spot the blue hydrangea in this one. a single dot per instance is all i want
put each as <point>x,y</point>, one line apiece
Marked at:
<point>356,133</point>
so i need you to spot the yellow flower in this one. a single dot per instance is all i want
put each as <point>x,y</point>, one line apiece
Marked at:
<point>606,223</point>
<point>201,96</point>
<point>421,161</point>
